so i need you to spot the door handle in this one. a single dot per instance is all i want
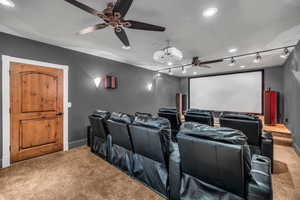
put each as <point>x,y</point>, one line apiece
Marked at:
<point>59,114</point>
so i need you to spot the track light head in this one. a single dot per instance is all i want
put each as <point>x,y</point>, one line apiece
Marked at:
<point>183,70</point>
<point>232,62</point>
<point>257,58</point>
<point>285,53</point>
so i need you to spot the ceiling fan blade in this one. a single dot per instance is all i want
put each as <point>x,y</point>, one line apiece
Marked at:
<point>143,26</point>
<point>92,28</point>
<point>84,7</point>
<point>122,36</point>
<point>211,61</point>
<point>122,7</point>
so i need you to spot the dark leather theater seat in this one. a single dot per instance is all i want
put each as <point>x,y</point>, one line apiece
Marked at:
<point>120,148</point>
<point>200,116</point>
<point>98,133</point>
<point>173,116</point>
<point>151,143</point>
<point>215,164</point>
<point>260,142</point>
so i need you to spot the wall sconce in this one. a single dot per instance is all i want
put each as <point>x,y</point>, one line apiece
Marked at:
<point>149,86</point>
<point>97,81</point>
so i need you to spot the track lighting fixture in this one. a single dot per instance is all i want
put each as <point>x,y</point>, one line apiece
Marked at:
<point>257,58</point>
<point>285,53</point>
<point>231,59</point>
<point>170,72</point>
<point>183,70</point>
<point>232,62</point>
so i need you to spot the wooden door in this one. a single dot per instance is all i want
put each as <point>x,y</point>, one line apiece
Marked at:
<point>36,110</point>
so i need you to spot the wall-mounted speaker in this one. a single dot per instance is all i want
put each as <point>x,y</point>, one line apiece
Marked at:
<point>110,82</point>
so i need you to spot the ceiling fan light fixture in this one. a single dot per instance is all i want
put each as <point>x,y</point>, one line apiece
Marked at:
<point>257,58</point>
<point>209,12</point>
<point>285,53</point>
<point>7,3</point>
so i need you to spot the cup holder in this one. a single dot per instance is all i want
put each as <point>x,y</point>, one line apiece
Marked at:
<point>261,160</point>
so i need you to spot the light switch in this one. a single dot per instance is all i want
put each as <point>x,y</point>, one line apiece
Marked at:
<point>69,104</point>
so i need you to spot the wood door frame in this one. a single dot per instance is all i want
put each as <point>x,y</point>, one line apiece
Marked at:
<point>6,133</point>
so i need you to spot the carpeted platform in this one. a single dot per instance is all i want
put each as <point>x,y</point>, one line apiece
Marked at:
<point>73,175</point>
<point>80,175</point>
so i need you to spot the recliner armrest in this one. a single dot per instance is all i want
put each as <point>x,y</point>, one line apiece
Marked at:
<point>260,184</point>
<point>267,145</point>
<point>174,173</point>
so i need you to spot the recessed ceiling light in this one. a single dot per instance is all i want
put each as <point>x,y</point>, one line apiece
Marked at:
<point>170,63</point>
<point>209,12</point>
<point>195,73</point>
<point>7,3</point>
<point>124,47</point>
<point>233,50</point>
<point>242,66</point>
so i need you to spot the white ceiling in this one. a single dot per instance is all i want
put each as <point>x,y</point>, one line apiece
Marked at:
<point>249,25</point>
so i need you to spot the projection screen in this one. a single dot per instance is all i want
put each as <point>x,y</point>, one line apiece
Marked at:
<point>240,92</point>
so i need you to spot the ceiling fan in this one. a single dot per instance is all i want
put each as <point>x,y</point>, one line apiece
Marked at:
<point>205,64</point>
<point>113,16</point>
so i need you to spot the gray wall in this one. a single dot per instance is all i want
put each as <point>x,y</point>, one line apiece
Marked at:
<point>292,95</point>
<point>131,95</point>
<point>274,80</point>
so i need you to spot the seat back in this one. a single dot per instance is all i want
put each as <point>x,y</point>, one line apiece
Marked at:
<point>117,126</point>
<point>151,137</point>
<point>250,125</point>
<point>213,155</point>
<point>172,115</point>
<point>98,123</point>
<point>200,116</point>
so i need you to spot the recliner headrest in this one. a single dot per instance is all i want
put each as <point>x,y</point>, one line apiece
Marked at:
<point>121,117</point>
<point>221,134</point>
<point>239,116</point>
<point>198,112</point>
<point>152,122</point>
<point>143,114</point>
<point>101,113</point>
<point>168,110</point>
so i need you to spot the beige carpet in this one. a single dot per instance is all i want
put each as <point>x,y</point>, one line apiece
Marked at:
<point>80,175</point>
<point>73,175</point>
<point>286,177</point>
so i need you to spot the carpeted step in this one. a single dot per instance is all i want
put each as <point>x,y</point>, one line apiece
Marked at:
<point>282,141</point>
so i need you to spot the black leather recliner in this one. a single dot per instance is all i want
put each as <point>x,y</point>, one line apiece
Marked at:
<point>173,116</point>
<point>215,163</point>
<point>98,133</point>
<point>200,116</point>
<point>151,138</point>
<point>261,142</point>
<point>120,149</point>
